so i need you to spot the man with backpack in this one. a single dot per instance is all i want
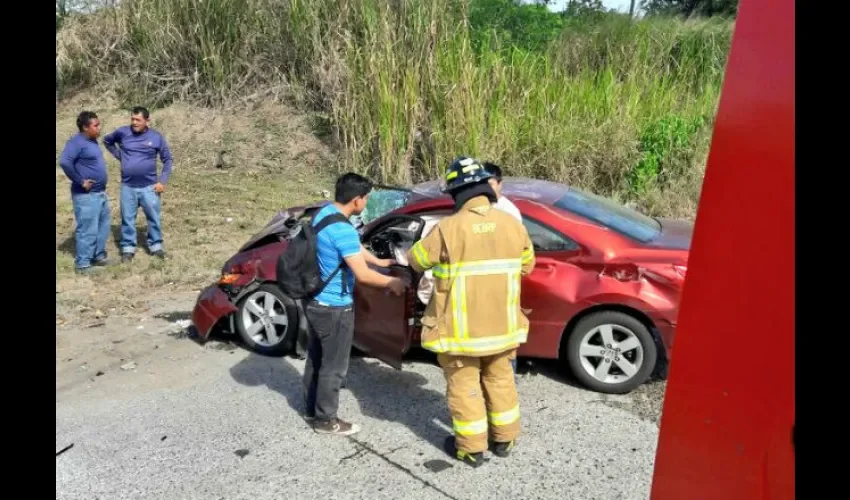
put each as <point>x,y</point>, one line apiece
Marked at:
<point>320,266</point>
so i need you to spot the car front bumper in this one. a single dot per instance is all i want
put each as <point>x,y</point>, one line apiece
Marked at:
<point>212,305</point>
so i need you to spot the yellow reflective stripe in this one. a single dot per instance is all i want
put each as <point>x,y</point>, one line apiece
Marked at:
<point>451,175</point>
<point>478,344</point>
<point>513,300</point>
<point>421,256</point>
<point>460,321</point>
<point>477,268</point>
<point>470,427</point>
<point>504,417</point>
<point>527,254</point>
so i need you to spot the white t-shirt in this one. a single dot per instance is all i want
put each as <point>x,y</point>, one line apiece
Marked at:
<point>508,206</point>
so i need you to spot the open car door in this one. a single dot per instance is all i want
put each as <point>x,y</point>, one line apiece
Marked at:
<point>382,321</point>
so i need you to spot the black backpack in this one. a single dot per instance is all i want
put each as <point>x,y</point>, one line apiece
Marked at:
<point>298,274</point>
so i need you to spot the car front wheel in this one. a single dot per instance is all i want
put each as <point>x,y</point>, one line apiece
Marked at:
<point>267,321</point>
<point>611,352</point>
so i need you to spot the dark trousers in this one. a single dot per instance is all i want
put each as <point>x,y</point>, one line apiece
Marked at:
<point>303,339</point>
<point>328,352</point>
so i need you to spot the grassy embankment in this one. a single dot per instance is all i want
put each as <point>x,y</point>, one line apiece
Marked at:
<point>394,89</point>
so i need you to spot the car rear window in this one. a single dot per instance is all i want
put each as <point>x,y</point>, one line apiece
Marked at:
<point>614,216</point>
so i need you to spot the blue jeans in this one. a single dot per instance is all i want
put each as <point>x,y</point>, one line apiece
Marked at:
<point>91,213</point>
<point>131,199</point>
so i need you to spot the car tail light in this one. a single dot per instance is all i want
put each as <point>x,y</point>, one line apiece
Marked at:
<point>674,274</point>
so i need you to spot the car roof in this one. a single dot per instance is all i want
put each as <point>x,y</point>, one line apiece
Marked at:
<point>541,191</point>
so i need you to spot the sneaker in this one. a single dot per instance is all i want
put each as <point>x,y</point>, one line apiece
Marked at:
<point>101,262</point>
<point>336,427</point>
<point>126,257</point>
<point>503,450</point>
<point>158,253</point>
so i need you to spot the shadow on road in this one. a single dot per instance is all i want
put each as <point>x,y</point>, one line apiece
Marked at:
<point>382,392</point>
<point>549,368</point>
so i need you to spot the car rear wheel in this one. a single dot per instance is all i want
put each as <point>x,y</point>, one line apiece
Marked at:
<point>267,321</point>
<point>611,352</point>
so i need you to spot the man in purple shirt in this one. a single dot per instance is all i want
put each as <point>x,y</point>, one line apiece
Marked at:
<point>83,163</point>
<point>136,146</point>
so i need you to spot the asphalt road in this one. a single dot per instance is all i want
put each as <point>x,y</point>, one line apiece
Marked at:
<point>205,423</point>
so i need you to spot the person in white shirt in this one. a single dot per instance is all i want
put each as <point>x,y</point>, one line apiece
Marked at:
<point>496,183</point>
<point>502,203</point>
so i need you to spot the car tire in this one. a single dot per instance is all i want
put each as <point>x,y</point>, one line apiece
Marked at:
<point>253,320</point>
<point>627,368</point>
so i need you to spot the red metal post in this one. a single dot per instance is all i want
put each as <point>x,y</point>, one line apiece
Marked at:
<point>726,429</point>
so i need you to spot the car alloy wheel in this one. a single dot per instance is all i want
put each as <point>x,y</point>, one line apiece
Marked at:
<point>264,318</point>
<point>611,354</point>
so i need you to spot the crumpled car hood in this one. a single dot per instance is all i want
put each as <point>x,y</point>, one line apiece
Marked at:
<point>282,222</point>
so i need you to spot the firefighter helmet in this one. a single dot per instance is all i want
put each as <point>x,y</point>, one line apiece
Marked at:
<point>464,171</point>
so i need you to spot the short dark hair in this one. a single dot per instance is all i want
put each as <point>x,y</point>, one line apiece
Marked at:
<point>495,170</point>
<point>350,186</point>
<point>84,119</point>
<point>141,110</point>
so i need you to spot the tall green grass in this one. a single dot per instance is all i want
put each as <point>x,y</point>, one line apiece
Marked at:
<point>407,84</point>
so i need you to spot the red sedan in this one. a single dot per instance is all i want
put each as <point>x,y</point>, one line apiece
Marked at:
<point>602,299</point>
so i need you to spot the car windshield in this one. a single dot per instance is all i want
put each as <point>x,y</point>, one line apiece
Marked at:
<point>610,214</point>
<point>382,202</point>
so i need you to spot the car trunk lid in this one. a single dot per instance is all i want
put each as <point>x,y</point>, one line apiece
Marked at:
<point>676,234</point>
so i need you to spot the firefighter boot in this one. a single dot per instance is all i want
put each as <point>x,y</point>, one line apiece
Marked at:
<point>502,450</point>
<point>472,459</point>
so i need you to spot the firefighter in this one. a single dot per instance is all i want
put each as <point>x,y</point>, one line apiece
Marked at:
<point>473,321</point>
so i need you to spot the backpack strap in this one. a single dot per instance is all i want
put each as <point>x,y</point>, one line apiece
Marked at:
<point>330,219</point>
<point>327,221</point>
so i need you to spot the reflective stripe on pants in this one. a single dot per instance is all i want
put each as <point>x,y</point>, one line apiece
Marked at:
<point>482,399</point>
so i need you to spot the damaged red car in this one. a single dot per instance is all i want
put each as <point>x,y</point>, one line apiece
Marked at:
<point>602,299</point>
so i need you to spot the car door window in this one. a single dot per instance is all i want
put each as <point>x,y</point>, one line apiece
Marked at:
<point>547,240</point>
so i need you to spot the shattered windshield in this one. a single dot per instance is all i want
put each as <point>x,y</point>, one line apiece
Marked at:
<point>624,220</point>
<point>382,202</point>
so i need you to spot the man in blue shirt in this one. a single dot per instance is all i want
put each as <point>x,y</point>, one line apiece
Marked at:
<point>331,313</point>
<point>136,146</point>
<point>83,163</point>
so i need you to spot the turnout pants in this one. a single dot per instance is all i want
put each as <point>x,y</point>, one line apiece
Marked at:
<point>482,398</point>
